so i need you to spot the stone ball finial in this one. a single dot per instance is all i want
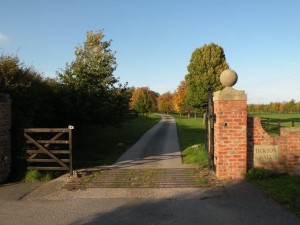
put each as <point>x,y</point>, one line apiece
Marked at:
<point>228,78</point>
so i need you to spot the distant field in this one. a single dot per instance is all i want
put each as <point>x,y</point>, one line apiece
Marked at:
<point>276,120</point>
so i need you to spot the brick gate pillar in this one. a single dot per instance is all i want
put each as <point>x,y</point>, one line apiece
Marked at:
<point>230,129</point>
<point>5,125</point>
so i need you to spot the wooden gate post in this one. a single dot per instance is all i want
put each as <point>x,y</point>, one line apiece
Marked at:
<point>70,127</point>
<point>209,134</point>
<point>230,131</point>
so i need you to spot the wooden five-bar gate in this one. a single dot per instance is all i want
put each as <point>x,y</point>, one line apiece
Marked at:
<point>49,148</point>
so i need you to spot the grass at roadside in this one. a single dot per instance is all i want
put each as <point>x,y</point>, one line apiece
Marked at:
<point>283,188</point>
<point>40,176</point>
<point>100,145</point>
<point>191,136</point>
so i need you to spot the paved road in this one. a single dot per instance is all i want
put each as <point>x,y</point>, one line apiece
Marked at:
<point>237,203</point>
<point>157,148</point>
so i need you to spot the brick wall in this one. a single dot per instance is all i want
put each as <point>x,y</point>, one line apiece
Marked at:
<point>288,145</point>
<point>292,136</point>
<point>257,136</point>
<point>5,148</point>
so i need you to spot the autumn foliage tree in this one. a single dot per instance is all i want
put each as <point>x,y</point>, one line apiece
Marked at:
<point>179,98</point>
<point>165,103</point>
<point>275,107</point>
<point>143,100</point>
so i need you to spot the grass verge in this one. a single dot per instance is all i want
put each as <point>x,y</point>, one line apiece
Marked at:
<point>98,145</point>
<point>40,176</point>
<point>283,188</point>
<point>191,136</point>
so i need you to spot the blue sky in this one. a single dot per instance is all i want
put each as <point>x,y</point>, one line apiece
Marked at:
<point>154,39</point>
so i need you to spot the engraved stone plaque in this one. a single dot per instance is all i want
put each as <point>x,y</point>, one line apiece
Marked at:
<point>265,154</point>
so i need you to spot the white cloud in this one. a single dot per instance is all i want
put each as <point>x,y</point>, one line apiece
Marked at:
<point>3,38</point>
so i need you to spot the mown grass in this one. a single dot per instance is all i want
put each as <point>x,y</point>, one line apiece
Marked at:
<point>285,121</point>
<point>191,137</point>
<point>283,188</point>
<point>98,145</point>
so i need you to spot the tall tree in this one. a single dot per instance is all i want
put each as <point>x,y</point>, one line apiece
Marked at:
<point>97,96</point>
<point>298,107</point>
<point>165,103</point>
<point>206,65</point>
<point>179,98</point>
<point>93,67</point>
<point>143,100</point>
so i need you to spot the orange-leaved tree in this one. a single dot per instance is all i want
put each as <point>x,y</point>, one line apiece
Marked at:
<point>143,100</point>
<point>179,98</point>
<point>165,103</point>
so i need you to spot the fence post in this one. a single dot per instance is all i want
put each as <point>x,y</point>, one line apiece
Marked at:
<point>293,123</point>
<point>268,124</point>
<point>71,149</point>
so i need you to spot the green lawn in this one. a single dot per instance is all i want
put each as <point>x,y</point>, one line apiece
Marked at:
<point>98,145</point>
<point>273,127</point>
<point>283,188</point>
<point>191,135</point>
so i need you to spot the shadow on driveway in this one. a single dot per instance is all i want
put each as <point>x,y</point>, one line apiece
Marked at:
<point>240,204</point>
